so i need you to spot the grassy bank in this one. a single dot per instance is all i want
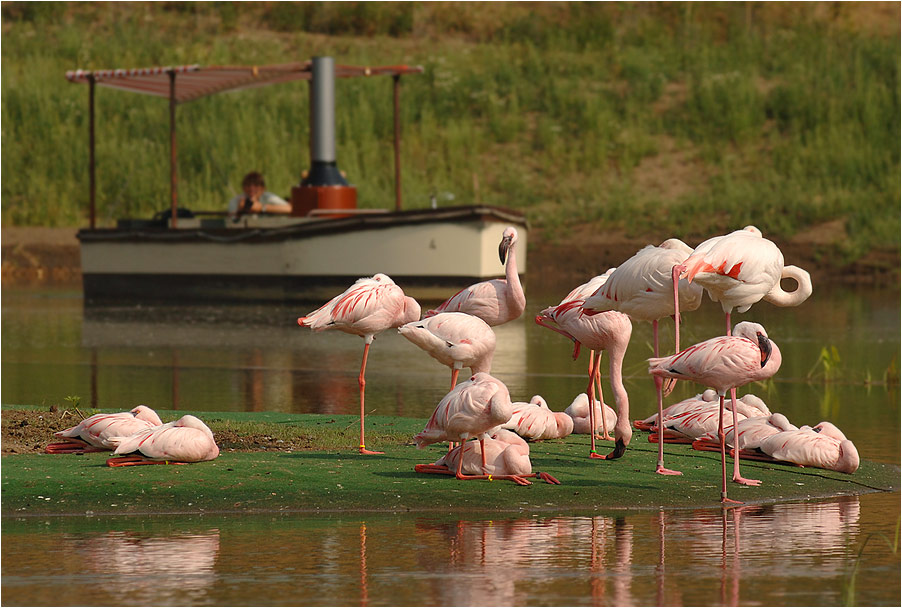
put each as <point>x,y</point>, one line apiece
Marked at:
<point>650,119</point>
<point>328,475</point>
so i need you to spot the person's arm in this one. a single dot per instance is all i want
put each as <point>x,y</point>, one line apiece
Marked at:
<point>271,203</point>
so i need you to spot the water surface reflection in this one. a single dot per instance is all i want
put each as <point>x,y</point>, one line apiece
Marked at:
<point>787,554</point>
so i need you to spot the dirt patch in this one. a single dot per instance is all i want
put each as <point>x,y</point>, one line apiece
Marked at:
<point>29,431</point>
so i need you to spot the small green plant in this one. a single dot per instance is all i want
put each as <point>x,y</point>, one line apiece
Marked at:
<point>74,400</point>
<point>827,366</point>
<point>893,546</point>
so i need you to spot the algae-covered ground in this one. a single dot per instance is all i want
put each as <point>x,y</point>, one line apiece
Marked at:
<point>336,478</point>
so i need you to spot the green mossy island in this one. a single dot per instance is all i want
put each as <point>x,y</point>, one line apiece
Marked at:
<point>329,476</point>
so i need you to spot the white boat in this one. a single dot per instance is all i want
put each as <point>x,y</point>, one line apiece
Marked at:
<point>323,246</point>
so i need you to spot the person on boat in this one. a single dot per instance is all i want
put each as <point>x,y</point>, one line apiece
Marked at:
<point>256,199</point>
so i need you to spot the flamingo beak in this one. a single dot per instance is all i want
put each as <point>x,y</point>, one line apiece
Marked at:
<point>504,247</point>
<point>764,345</point>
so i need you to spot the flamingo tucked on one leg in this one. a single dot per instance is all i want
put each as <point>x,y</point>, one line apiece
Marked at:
<point>366,308</point>
<point>724,363</point>
<point>474,408</point>
<point>455,339</point>
<point>642,287</point>
<point>608,331</point>
<point>497,301</point>
<point>94,432</point>
<point>184,440</point>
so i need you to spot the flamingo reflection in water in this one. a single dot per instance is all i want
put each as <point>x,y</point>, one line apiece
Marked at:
<point>173,570</point>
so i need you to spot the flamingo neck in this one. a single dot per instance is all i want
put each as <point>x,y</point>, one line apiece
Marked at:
<point>779,297</point>
<point>516,296</point>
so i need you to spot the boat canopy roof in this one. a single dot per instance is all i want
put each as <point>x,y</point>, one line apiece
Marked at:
<point>195,81</point>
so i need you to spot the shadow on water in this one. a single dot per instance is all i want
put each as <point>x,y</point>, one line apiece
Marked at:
<point>785,554</point>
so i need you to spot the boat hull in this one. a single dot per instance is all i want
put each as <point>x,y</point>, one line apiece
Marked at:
<point>429,253</point>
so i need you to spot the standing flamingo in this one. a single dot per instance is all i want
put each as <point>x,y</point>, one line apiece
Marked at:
<point>642,287</point>
<point>187,439</point>
<point>742,268</point>
<point>497,301</point>
<point>608,331</point>
<point>94,432</point>
<point>723,363</point>
<point>455,339</point>
<point>474,408</point>
<point>366,308</point>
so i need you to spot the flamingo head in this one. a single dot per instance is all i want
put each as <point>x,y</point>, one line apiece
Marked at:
<point>757,334</point>
<point>507,242</point>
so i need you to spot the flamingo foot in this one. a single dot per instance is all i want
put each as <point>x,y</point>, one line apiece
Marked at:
<point>547,478</point>
<point>668,386</point>
<point>367,452</point>
<point>517,479</point>
<point>729,501</point>
<point>135,460</point>
<point>660,470</point>
<point>746,482</point>
<point>438,469</point>
<point>596,455</point>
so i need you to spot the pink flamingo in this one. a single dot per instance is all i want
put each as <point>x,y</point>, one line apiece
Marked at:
<point>535,421</point>
<point>497,301</point>
<point>742,268</point>
<point>608,331</point>
<point>94,432</point>
<point>187,439</point>
<point>474,408</point>
<point>723,363</point>
<point>506,456</point>
<point>823,446</point>
<point>752,431</point>
<point>697,417</point>
<point>366,308</point>
<point>454,339</point>
<point>578,410</point>
<point>643,288</point>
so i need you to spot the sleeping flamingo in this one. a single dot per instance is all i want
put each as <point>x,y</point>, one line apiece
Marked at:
<point>535,421</point>
<point>822,446</point>
<point>724,363</point>
<point>474,408</point>
<point>578,410</point>
<point>187,439</point>
<point>366,308</point>
<point>496,301</point>
<point>94,432</point>
<point>608,331</point>
<point>506,456</point>
<point>742,268</point>
<point>752,431</point>
<point>454,339</point>
<point>642,287</point>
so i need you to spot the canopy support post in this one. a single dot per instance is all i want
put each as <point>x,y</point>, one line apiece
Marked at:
<point>173,173</point>
<point>397,99</point>
<point>92,194</point>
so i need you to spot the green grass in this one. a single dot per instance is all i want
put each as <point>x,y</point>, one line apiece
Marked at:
<point>654,119</point>
<point>336,478</point>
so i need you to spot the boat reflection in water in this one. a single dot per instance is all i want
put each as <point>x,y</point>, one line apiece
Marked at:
<point>216,359</point>
<point>784,554</point>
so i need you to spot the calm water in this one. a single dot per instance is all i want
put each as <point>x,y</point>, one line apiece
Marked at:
<point>237,358</point>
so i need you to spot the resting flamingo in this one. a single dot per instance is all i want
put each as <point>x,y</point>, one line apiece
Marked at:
<point>724,363</point>
<point>752,431</point>
<point>496,301</point>
<point>742,268</point>
<point>822,446</point>
<point>578,410</point>
<point>608,331</point>
<point>643,288</point>
<point>474,408</point>
<point>366,308</point>
<point>454,339</point>
<point>535,421</point>
<point>506,456</point>
<point>94,432</point>
<point>187,439</point>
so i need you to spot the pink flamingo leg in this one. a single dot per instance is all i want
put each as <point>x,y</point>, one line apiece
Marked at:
<point>723,457</point>
<point>659,386</point>
<point>362,382</point>
<point>737,478</point>
<point>597,382</point>
<point>594,370</point>
<point>670,383</point>
<point>729,327</point>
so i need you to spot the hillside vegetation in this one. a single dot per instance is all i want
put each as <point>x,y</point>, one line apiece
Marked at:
<point>653,119</point>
